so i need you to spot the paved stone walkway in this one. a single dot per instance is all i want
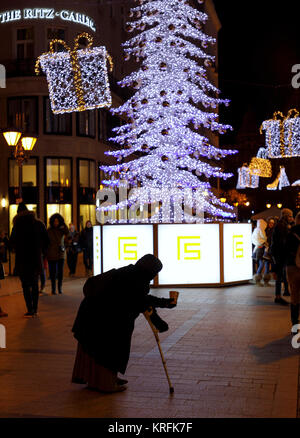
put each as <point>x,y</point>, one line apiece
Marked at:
<point>228,354</point>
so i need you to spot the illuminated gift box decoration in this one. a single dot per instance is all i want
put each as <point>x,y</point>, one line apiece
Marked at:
<point>260,165</point>
<point>77,79</point>
<point>246,179</point>
<point>282,135</point>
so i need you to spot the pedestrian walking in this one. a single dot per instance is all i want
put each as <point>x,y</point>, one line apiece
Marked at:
<point>86,243</point>
<point>105,322</point>
<point>259,240</point>
<point>267,255</point>
<point>29,240</point>
<point>2,276</point>
<point>3,247</point>
<point>277,251</point>
<point>56,251</point>
<point>72,248</point>
<point>43,275</point>
<point>293,271</point>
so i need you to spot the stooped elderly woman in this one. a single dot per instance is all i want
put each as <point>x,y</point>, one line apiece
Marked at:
<point>105,322</point>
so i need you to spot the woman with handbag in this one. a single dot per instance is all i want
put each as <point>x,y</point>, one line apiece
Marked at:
<point>72,247</point>
<point>260,242</point>
<point>56,252</point>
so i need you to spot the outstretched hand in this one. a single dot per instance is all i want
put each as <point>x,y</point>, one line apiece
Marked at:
<point>171,303</point>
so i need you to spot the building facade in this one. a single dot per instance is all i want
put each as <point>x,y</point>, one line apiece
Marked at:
<point>62,174</point>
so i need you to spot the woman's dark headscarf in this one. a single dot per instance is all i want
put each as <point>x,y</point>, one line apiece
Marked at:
<point>149,265</point>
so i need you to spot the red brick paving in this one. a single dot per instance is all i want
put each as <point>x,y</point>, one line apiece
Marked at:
<point>228,354</point>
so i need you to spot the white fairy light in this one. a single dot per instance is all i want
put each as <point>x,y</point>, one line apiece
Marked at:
<point>246,179</point>
<point>166,117</point>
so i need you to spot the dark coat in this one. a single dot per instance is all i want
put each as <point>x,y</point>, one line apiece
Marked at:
<point>29,239</point>
<point>56,250</point>
<point>105,319</point>
<point>86,239</point>
<point>279,237</point>
<point>291,246</point>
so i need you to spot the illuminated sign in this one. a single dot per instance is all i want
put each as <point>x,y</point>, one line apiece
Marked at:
<point>97,250</point>
<point>190,254</point>
<point>46,14</point>
<point>237,250</point>
<point>125,244</point>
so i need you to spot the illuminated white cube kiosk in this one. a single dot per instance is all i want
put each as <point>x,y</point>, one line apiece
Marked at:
<point>192,254</point>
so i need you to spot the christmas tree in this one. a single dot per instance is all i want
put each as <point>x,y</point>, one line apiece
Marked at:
<point>163,146</point>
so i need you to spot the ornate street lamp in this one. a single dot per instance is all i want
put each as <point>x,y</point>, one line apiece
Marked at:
<point>23,146</point>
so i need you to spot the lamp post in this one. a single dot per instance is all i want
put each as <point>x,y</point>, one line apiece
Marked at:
<point>23,146</point>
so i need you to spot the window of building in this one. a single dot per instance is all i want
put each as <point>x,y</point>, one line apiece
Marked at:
<point>55,33</point>
<point>59,124</point>
<point>58,172</point>
<point>87,213</point>
<point>87,173</point>
<point>22,113</point>
<point>65,210</point>
<point>86,123</point>
<point>25,43</point>
<point>28,172</point>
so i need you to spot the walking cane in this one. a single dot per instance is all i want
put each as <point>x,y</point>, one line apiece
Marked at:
<point>147,315</point>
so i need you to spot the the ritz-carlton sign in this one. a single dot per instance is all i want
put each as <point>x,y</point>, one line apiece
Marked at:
<point>46,14</point>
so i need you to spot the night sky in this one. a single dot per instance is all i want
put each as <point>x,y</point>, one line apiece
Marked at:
<point>258,45</point>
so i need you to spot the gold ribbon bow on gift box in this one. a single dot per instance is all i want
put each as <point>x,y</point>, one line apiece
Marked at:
<point>75,64</point>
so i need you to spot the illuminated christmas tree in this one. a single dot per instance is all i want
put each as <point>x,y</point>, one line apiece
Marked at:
<point>167,116</point>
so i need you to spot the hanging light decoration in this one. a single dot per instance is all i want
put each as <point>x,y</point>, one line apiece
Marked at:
<point>282,135</point>
<point>77,79</point>
<point>260,165</point>
<point>246,179</point>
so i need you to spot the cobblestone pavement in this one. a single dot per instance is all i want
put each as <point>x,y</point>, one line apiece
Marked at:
<point>228,354</point>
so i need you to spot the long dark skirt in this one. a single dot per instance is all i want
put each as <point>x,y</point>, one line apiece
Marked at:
<point>87,371</point>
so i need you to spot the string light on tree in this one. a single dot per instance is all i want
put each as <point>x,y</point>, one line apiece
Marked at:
<point>173,104</point>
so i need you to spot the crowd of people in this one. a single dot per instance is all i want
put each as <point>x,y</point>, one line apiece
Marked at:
<point>37,248</point>
<point>276,242</point>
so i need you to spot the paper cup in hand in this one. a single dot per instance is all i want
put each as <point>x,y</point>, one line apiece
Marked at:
<point>174,295</point>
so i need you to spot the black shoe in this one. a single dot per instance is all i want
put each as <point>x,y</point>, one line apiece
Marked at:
<point>286,294</point>
<point>53,293</point>
<point>281,301</point>
<point>60,291</point>
<point>28,315</point>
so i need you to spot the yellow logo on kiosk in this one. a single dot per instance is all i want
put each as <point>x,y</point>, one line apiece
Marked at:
<point>186,248</point>
<point>124,243</point>
<point>238,246</point>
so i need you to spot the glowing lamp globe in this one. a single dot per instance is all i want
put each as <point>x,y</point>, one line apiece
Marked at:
<point>28,143</point>
<point>12,137</point>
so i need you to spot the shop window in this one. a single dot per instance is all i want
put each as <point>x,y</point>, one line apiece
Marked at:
<point>65,210</point>
<point>87,213</point>
<point>29,177</point>
<point>87,173</point>
<point>58,172</point>
<point>22,114</point>
<point>59,124</point>
<point>86,123</point>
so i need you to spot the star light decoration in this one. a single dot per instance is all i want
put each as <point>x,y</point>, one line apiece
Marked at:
<point>172,106</point>
<point>282,135</point>
<point>77,79</point>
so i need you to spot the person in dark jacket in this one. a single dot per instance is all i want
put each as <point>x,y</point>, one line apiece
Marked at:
<point>56,252</point>
<point>2,276</point>
<point>29,240</point>
<point>293,272</point>
<point>277,251</point>
<point>86,243</point>
<point>105,322</point>
<point>72,247</point>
